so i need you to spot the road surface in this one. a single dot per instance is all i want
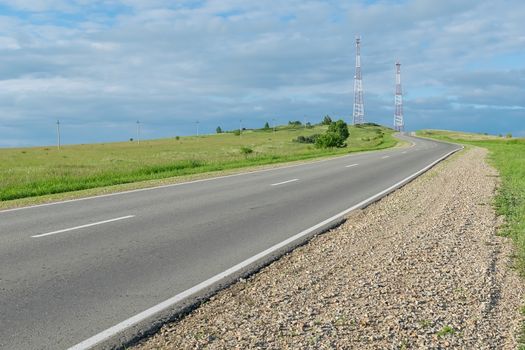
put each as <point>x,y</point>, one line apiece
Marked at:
<point>71,270</point>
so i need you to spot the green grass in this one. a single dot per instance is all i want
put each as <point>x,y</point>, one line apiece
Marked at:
<point>508,157</point>
<point>38,171</point>
<point>445,331</point>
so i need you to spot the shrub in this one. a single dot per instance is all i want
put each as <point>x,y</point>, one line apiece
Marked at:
<point>246,150</point>
<point>237,132</point>
<point>218,130</point>
<point>266,126</point>
<point>329,140</point>
<point>307,139</point>
<point>509,135</point>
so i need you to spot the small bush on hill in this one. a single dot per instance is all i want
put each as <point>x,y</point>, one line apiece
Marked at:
<point>246,151</point>
<point>307,139</point>
<point>329,140</point>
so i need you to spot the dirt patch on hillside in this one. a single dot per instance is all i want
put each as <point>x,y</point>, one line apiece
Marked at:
<point>421,269</point>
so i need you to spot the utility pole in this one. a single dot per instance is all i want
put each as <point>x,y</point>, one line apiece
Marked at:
<point>240,128</point>
<point>359,109</point>
<point>399,123</point>
<point>138,132</point>
<point>273,120</point>
<point>58,134</point>
<point>198,134</point>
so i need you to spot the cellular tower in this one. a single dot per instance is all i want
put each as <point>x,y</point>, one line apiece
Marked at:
<point>399,124</point>
<point>359,108</point>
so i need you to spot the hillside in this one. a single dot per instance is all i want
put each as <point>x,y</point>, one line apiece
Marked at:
<point>38,171</point>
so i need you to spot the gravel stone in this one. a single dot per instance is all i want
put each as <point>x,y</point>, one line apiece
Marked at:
<point>421,269</point>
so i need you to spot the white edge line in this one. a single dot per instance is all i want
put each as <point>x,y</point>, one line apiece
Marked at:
<point>112,331</point>
<point>83,226</point>
<point>351,165</point>
<point>284,182</point>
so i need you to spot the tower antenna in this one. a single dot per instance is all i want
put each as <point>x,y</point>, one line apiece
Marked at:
<point>359,109</point>
<point>399,123</point>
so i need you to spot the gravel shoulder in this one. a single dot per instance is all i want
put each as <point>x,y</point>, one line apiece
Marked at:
<point>421,269</point>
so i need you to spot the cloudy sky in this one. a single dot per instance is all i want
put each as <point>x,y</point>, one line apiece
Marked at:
<point>100,65</point>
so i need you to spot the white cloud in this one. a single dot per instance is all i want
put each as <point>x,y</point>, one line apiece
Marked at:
<point>170,63</point>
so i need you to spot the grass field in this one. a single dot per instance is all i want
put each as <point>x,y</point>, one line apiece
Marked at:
<point>30,172</point>
<point>508,156</point>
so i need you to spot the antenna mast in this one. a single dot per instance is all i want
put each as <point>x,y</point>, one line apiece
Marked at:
<point>359,109</point>
<point>399,123</point>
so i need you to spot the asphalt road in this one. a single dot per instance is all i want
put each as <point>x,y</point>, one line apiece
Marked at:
<point>71,270</point>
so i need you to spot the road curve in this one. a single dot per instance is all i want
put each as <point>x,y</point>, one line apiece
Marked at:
<point>71,270</point>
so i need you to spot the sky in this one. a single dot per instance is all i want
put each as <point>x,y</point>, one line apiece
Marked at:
<point>99,66</point>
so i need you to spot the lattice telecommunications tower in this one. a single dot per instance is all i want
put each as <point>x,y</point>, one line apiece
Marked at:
<point>359,108</point>
<point>399,123</point>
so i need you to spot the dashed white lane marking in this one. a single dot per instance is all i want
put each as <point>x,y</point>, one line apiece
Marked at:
<point>284,182</point>
<point>385,157</point>
<point>351,165</point>
<point>83,226</point>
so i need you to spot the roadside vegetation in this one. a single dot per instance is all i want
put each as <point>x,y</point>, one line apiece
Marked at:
<point>37,171</point>
<point>507,154</point>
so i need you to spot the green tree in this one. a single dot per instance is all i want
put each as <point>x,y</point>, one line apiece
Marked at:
<point>266,126</point>
<point>335,136</point>
<point>340,128</point>
<point>326,120</point>
<point>218,130</point>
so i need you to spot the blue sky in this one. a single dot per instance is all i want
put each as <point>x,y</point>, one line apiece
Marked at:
<point>101,65</point>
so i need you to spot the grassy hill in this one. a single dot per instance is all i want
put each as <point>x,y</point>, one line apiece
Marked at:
<point>508,156</point>
<point>29,172</point>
